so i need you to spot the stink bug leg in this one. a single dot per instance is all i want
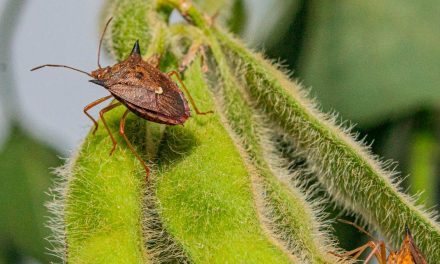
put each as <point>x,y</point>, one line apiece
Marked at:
<point>196,48</point>
<point>379,252</point>
<point>378,248</point>
<point>101,114</point>
<point>171,73</point>
<point>93,104</point>
<point>122,132</point>
<point>375,252</point>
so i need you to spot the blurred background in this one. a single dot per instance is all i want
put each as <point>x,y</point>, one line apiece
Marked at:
<point>377,63</point>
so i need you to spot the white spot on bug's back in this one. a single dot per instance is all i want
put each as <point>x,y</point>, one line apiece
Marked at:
<point>159,90</point>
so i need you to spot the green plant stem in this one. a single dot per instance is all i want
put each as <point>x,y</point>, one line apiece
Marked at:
<point>347,170</point>
<point>295,220</point>
<point>204,189</point>
<point>103,195</point>
<point>204,196</point>
<point>300,228</point>
<point>132,20</point>
<point>103,213</point>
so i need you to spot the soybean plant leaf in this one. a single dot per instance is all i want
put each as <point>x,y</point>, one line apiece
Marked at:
<point>372,60</point>
<point>25,177</point>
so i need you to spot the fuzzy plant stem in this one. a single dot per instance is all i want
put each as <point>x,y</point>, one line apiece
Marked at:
<point>292,218</point>
<point>102,210</point>
<point>345,167</point>
<point>98,210</point>
<point>288,211</point>
<point>204,190</point>
<point>201,193</point>
<point>171,198</point>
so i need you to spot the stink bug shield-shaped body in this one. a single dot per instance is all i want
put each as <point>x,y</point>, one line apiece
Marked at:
<point>143,89</point>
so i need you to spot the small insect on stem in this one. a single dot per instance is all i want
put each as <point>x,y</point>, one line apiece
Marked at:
<point>143,89</point>
<point>409,253</point>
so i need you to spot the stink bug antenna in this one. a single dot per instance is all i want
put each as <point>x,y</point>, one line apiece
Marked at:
<point>68,67</point>
<point>62,66</point>
<point>357,227</point>
<point>100,41</point>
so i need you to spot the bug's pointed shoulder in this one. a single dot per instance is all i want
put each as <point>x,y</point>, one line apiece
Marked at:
<point>136,51</point>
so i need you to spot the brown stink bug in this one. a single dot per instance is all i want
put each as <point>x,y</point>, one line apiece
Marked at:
<point>408,253</point>
<point>143,89</point>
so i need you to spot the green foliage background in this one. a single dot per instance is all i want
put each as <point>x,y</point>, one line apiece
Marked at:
<point>374,62</point>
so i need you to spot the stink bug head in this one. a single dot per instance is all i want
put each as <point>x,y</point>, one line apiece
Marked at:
<point>104,76</point>
<point>101,73</point>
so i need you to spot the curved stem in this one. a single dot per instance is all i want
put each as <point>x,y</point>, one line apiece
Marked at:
<point>345,167</point>
<point>290,216</point>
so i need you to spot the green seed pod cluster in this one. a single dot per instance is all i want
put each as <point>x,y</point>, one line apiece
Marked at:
<point>345,167</point>
<point>219,192</point>
<point>131,21</point>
